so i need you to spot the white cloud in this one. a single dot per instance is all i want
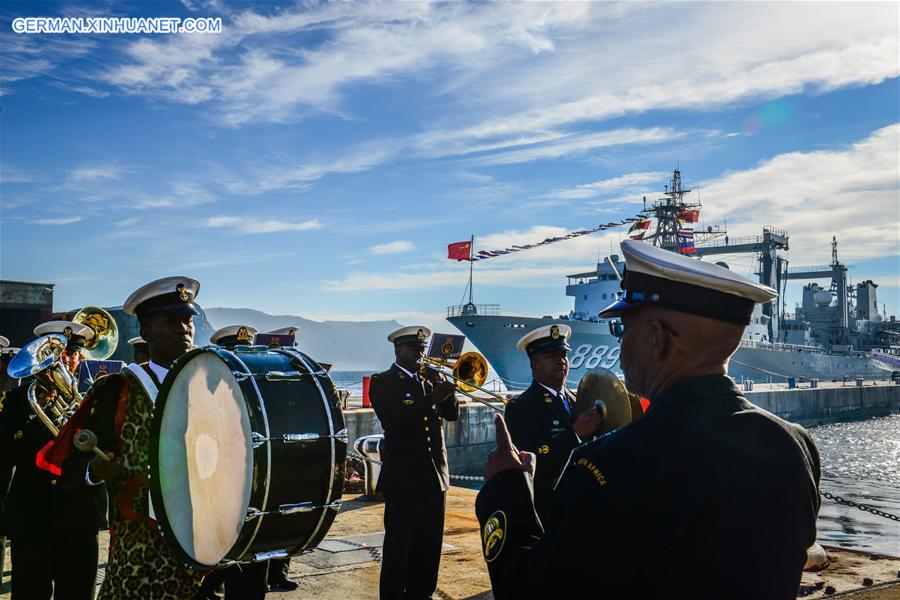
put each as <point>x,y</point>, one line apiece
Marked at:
<point>59,221</point>
<point>852,193</point>
<point>128,222</point>
<point>614,184</point>
<point>251,225</point>
<point>398,247</point>
<point>284,174</point>
<point>96,173</point>
<point>580,144</point>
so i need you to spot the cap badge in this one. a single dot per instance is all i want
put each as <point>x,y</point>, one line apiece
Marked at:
<point>68,333</point>
<point>243,335</point>
<point>183,294</point>
<point>421,334</point>
<point>554,332</point>
<point>447,348</point>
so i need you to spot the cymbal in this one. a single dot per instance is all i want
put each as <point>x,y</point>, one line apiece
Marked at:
<point>602,389</point>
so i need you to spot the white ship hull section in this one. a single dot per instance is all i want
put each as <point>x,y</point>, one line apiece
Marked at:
<point>593,346</point>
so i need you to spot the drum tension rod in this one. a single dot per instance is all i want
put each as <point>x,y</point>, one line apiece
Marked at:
<point>290,509</point>
<point>276,375</point>
<point>292,438</point>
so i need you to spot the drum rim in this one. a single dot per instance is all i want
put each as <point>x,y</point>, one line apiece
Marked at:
<point>162,519</point>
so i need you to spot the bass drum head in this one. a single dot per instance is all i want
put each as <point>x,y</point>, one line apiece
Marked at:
<point>203,460</point>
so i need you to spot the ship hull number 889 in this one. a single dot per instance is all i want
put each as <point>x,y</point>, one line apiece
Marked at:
<point>591,357</point>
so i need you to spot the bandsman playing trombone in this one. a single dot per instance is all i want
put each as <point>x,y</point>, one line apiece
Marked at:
<point>412,405</point>
<point>53,530</point>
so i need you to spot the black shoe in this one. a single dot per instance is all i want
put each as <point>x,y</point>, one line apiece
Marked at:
<point>283,585</point>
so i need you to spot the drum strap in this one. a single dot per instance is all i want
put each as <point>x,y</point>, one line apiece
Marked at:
<point>147,383</point>
<point>129,488</point>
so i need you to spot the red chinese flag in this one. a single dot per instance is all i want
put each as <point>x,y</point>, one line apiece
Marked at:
<point>689,216</point>
<point>459,251</point>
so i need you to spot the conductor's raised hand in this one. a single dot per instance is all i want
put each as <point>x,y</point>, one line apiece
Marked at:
<point>507,456</point>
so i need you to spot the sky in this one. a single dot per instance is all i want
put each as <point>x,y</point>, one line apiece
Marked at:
<point>316,159</point>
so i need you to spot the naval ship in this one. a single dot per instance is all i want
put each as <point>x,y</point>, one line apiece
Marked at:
<point>836,332</point>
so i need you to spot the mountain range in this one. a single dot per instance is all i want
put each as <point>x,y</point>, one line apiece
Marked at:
<point>348,345</point>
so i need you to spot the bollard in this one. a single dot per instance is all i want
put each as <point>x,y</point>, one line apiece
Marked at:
<point>365,399</point>
<point>813,383</point>
<point>792,383</point>
<point>370,447</point>
<point>859,382</point>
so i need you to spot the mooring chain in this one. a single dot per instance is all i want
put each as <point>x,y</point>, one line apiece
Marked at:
<point>862,507</point>
<point>355,454</point>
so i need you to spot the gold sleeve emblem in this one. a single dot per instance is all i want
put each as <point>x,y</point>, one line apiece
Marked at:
<point>493,535</point>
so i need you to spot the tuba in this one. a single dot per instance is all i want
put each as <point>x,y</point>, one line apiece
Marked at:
<point>53,395</point>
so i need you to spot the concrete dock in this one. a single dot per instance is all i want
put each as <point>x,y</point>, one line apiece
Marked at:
<point>346,565</point>
<point>471,437</point>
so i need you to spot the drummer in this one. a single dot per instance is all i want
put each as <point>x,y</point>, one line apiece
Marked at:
<point>118,410</point>
<point>140,351</point>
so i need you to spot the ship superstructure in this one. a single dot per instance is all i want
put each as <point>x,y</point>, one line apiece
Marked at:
<point>835,332</point>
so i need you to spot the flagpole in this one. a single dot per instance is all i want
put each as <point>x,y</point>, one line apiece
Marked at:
<point>471,264</point>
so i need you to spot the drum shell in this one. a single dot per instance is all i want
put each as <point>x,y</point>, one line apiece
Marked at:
<point>283,473</point>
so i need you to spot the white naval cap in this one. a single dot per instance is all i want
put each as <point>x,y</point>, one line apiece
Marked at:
<point>76,333</point>
<point>136,340</point>
<point>169,296</point>
<point>414,334</point>
<point>290,330</point>
<point>4,342</point>
<point>658,277</point>
<point>548,337</point>
<point>233,334</point>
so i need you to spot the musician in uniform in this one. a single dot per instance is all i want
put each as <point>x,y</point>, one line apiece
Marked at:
<point>414,477</point>
<point>118,410</point>
<point>542,419</point>
<point>705,496</point>
<point>140,351</point>
<point>52,530</point>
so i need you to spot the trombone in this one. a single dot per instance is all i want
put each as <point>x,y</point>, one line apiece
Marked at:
<point>469,373</point>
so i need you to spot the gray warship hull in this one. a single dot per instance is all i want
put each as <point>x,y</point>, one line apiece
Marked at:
<point>495,336</point>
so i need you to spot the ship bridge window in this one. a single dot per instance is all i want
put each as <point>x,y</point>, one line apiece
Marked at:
<point>604,296</point>
<point>585,296</point>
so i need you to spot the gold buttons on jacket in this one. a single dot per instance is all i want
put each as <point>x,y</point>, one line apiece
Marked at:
<point>428,439</point>
<point>52,482</point>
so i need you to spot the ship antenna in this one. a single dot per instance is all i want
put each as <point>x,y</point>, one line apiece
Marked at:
<point>471,264</point>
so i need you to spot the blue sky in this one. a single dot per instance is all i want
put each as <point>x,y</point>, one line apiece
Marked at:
<point>316,159</point>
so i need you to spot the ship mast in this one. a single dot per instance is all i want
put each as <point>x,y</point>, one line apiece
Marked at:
<point>666,212</point>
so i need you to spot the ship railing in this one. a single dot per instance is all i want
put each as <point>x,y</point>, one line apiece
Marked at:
<point>736,241</point>
<point>782,347</point>
<point>460,310</point>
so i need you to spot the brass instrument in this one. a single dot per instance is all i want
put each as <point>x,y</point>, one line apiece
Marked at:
<point>57,388</point>
<point>601,390</point>
<point>53,395</point>
<point>469,373</point>
<point>106,332</point>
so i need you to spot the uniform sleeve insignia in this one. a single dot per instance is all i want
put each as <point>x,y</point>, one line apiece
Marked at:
<point>493,535</point>
<point>545,449</point>
<point>18,435</point>
<point>554,332</point>
<point>592,469</point>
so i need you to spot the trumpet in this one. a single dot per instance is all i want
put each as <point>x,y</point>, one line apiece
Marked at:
<point>469,372</point>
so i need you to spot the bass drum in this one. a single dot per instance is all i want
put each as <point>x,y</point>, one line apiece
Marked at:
<point>247,459</point>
